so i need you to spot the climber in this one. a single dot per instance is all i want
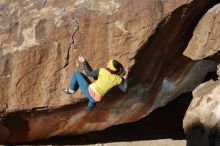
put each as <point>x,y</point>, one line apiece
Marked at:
<point>114,74</point>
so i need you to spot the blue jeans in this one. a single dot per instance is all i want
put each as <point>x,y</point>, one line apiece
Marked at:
<point>78,81</point>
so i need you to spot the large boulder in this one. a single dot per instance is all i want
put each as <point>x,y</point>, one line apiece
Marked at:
<point>205,41</point>
<point>202,120</point>
<point>40,41</point>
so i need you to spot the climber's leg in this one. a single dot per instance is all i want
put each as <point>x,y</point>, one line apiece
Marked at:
<point>74,83</point>
<point>91,104</point>
<point>79,81</point>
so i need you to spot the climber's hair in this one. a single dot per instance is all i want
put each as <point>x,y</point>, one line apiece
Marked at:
<point>118,66</point>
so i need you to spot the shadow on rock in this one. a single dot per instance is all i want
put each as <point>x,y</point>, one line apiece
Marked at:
<point>163,123</point>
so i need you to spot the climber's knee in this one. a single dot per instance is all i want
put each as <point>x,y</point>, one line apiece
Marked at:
<point>77,72</point>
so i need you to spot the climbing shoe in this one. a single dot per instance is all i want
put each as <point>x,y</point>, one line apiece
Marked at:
<point>68,91</point>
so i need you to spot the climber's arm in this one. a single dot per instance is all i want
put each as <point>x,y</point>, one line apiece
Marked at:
<point>88,70</point>
<point>124,85</point>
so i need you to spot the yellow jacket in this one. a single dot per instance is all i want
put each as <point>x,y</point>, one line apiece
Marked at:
<point>105,82</point>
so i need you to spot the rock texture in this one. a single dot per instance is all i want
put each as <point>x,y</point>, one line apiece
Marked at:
<point>40,41</point>
<point>205,41</point>
<point>202,120</point>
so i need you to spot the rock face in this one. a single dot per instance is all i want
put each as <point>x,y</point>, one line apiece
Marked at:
<point>202,120</point>
<point>40,41</point>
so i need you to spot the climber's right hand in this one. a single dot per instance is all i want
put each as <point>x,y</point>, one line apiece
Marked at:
<point>125,73</point>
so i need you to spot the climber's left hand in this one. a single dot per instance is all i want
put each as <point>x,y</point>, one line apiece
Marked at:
<point>81,58</point>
